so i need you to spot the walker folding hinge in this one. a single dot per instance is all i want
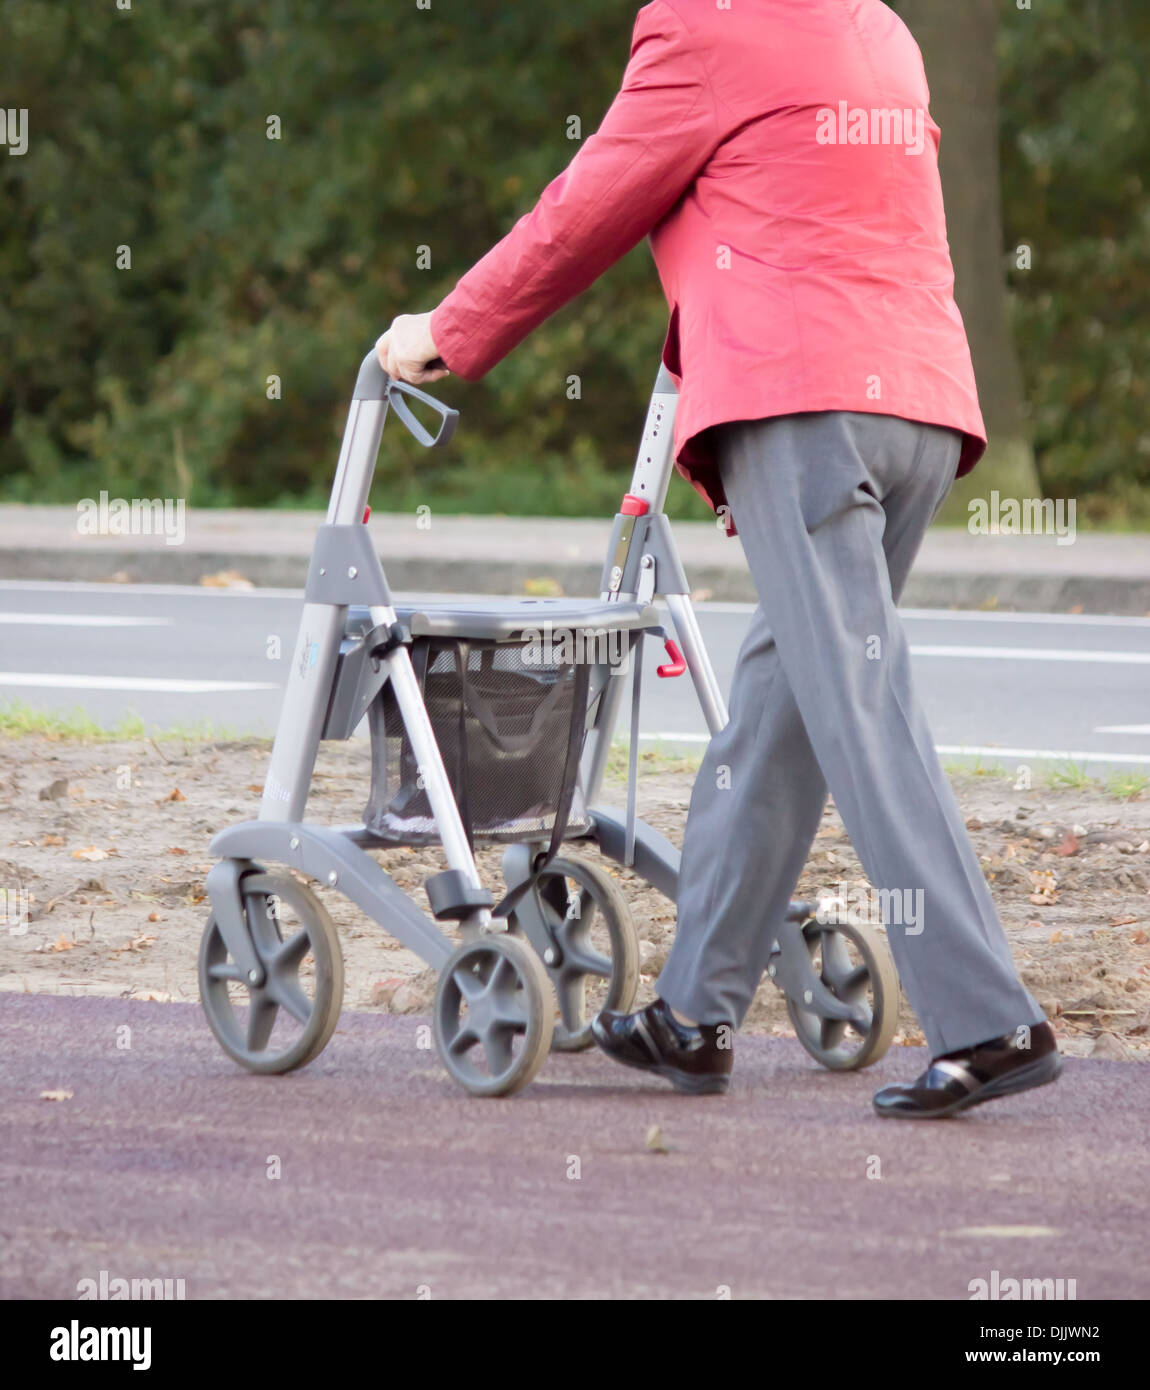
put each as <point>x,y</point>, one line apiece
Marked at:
<point>634,538</point>
<point>345,569</point>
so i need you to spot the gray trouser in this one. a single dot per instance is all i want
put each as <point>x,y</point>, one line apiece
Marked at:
<point>831,509</point>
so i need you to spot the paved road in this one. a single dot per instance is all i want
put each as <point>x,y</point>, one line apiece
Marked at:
<point>391,1178</point>
<point>1011,687</point>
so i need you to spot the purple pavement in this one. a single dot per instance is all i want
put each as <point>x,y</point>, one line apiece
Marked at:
<point>391,1178</point>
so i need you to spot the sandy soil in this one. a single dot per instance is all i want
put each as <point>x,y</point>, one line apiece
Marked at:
<point>106,846</point>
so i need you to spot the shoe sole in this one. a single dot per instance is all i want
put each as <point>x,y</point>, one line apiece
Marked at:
<point>1042,1072</point>
<point>683,1082</point>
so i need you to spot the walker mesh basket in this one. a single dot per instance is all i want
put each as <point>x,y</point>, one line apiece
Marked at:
<point>509,728</point>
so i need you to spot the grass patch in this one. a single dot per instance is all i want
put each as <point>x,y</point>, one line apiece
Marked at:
<point>650,760</point>
<point>1071,775</point>
<point>1121,786</point>
<point>1127,786</point>
<point>18,719</point>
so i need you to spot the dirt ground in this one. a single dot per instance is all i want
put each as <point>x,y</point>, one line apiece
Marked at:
<point>105,847</point>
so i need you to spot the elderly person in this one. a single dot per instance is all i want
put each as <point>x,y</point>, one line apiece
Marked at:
<point>781,158</point>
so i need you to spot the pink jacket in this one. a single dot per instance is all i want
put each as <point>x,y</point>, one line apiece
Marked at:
<point>781,157</point>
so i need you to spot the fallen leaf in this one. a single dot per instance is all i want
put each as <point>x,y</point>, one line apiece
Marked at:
<point>175,849</point>
<point>175,795</point>
<point>384,990</point>
<point>62,944</point>
<point>141,941</point>
<point>49,840</point>
<point>1055,936</point>
<point>656,1141</point>
<point>1045,887</point>
<point>1139,938</point>
<point>91,853</point>
<point>543,588</point>
<point>226,579</point>
<point>56,1095</point>
<point>157,996</point>
<point>1126,921</point>
<point>1069,845</point>
<point>257,787</point>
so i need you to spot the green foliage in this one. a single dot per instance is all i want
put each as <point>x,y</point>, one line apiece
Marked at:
<point>405,127</point>
<point>253,257</point>
<point>1076,150</point>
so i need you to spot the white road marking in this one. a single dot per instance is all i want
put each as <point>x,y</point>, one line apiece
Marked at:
<point>1035,654</point>
<point>1123,729</point>
<point>956,750</point>
<point>61,586</point>
<point>81,620</point>
<point>959,615</point>
<point>968,615</point>
<point>52,681</point>
<point>1057,755</point>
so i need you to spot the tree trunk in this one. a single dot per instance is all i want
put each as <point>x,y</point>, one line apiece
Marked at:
<point>958,48</point>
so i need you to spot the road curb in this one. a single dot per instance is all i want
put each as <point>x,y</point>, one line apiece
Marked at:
<point>1022,592</point>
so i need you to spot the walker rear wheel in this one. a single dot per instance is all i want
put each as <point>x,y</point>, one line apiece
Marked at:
<point>853,962</point>
<point>494,1015</point>
<point>286,1017</point>
<point>597,964</point>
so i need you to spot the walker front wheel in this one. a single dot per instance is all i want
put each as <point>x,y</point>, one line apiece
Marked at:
<point>494,1015</point>
<point>853,962</point>
<point>284,1017</point>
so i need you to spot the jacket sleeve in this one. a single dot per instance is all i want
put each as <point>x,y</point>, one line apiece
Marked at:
<point>660,130</point>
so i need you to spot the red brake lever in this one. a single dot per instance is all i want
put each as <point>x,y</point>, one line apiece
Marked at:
<point>678,661</point>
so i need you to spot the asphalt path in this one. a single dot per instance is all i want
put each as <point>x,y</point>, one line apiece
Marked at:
<point>998,687</point>
<point>370,1175</point>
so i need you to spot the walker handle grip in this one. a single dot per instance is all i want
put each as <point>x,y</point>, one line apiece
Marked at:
<point>374,384</point>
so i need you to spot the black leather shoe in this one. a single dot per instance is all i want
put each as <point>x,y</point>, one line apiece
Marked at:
<point>654,1040</point>
<point>976,1074</point>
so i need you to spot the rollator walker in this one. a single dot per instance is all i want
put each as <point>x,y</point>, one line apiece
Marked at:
<point>491,721</point>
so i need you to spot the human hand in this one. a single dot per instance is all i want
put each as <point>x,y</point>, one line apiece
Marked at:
<point>407,351</point>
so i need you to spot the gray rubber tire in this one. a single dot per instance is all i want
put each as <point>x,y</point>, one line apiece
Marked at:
<point>248,1039</point>
<point>599,892</point>
<point>497,1046</point>
<point>825,1040</point>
